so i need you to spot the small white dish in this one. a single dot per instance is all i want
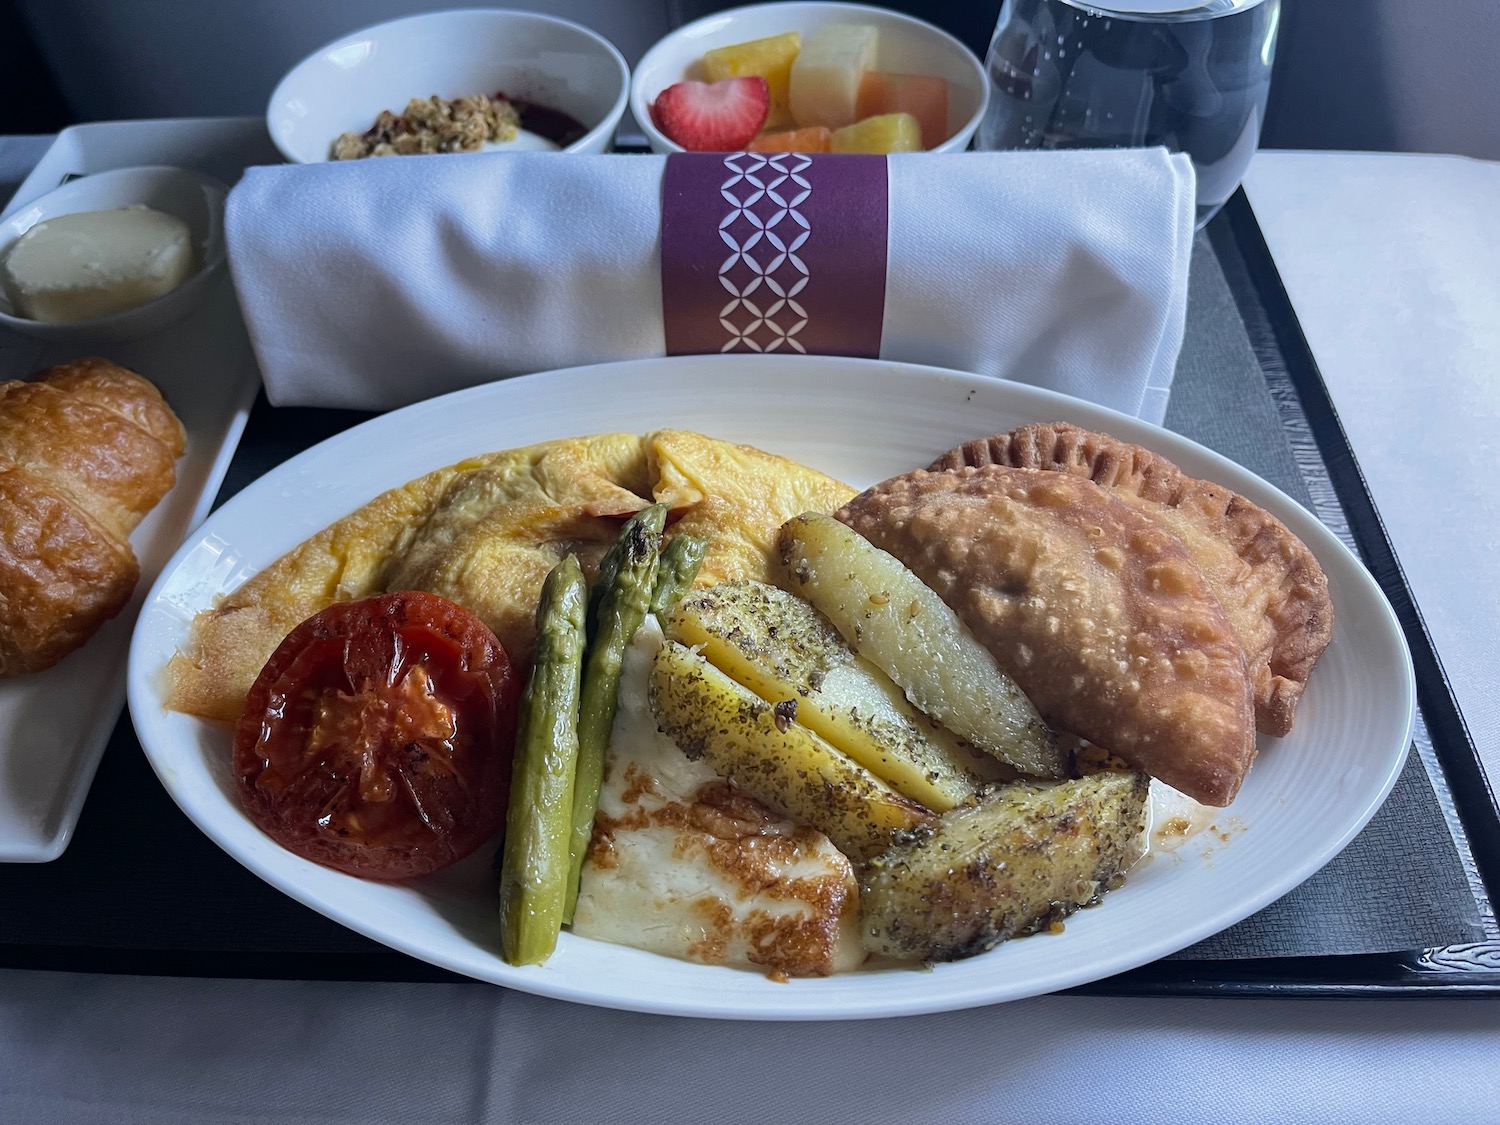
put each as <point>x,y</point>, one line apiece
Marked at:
<point>541,59</point>
<point>196,199</point>
<point>907,46</point>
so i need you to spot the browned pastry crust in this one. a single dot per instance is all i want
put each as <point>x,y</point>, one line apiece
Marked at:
<point>1096,611</point>
<point>123,392</point>
<point>86,450</point>
<point>63,574</point>
<point>1273,589</point>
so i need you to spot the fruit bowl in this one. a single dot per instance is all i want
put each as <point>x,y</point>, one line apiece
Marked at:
<point>906,46</point>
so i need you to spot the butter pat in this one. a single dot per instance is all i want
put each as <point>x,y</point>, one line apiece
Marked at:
<point>94,263</point>
<point>824,85</point>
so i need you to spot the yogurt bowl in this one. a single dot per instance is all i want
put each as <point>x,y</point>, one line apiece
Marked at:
<point>539,61</point>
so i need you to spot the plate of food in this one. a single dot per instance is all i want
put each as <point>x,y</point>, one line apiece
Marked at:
<point>880,752</point>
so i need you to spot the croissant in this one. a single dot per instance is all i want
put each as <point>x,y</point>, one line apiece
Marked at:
<point>86,450</point>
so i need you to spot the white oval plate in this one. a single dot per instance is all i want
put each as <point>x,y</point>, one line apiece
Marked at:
<point>860,420</point>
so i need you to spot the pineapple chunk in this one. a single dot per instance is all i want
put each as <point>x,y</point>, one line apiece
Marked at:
<point>825,78</point>
<point>780,647</point>
<point>899,623</point>
<point>770,58</point>
<point>762,750</point>
<point>890,132</point>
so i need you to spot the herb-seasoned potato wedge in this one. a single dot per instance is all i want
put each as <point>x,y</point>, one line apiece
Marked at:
<point>780,647</point>
<point>892,618</point>
<point>1021,858</point>
<point>764,751</point>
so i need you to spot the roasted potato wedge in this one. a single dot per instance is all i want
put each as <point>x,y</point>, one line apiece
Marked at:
<point>764,751</point>
<point>892,618</point>
<point>1023,857</point>
<point>780,647</point>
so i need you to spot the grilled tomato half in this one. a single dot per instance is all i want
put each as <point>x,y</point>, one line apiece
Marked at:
<point>377,739</point>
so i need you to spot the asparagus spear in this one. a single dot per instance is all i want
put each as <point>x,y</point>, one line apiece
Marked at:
<point>534,870</point>
<point>680,560</point>
<point>622,597</point>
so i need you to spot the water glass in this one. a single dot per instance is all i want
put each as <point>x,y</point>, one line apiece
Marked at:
<point>1191,75</point>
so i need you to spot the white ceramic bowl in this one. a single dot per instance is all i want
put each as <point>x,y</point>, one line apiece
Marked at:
<point>907,46</point>
<point>542,59</point>
<point>196,199</point>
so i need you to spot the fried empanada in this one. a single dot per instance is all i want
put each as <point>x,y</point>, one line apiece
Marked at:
<point>1273,589</point>
<point>1097,611</point>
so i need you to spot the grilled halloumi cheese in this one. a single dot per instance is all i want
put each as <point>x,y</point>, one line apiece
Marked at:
<point>683,864</point>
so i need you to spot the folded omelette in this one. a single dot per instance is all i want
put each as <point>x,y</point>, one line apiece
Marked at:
<point>485,531</point>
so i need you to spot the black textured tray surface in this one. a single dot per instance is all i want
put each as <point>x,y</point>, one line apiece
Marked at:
<point>142,890</point>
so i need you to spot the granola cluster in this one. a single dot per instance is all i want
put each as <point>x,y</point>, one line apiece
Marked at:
<point>432,125</point>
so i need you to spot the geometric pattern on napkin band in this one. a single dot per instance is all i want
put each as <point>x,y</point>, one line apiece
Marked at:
<point>764,230</point>
<point>781,253</point>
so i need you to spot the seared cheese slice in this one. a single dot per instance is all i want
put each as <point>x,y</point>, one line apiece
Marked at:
<point>684,865</point>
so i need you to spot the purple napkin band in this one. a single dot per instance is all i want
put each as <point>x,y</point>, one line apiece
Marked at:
<point>773,252</point>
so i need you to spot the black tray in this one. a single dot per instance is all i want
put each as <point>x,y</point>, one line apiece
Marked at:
<point>1455,766</point>
<point>141,890</point>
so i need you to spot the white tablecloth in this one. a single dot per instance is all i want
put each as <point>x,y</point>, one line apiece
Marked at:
<point>1393,266</point>
<point>87,1050</point>
<point>1384,259</point>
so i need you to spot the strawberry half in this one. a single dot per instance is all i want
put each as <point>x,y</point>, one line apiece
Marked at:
<point>713,116</point>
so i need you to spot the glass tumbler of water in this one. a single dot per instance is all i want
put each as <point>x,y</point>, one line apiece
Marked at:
<point>1188,74</point>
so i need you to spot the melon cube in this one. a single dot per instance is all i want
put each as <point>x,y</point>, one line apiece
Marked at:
<point>890,132</point>
<point>825,78</point>
<point>815,138</point>
<point>770,58</point>
<point>921,95</point>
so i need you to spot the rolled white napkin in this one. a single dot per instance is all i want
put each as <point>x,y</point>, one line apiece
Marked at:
<point>372,284</point>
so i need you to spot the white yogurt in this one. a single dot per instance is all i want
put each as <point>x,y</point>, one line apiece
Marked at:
<point>523,141</point>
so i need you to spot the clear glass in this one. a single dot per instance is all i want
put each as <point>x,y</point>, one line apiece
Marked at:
<point>1192,76</point>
